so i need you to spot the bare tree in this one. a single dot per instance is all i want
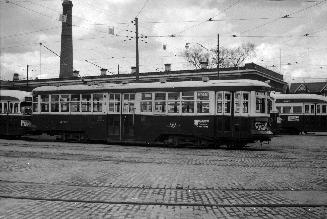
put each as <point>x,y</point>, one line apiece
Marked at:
<point>228,57</point>
<point>195,55</point>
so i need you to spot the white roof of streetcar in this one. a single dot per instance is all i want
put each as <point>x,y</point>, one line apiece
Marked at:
<point>18,94</point>
<point>303,97</point>
<point>157,85</point>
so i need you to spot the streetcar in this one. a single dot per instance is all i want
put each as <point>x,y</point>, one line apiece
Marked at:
<point>300,113</point>
<point>207,112</point>
<point>15,112</point>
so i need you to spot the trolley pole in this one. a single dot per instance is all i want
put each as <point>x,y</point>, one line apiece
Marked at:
<point>137,48</point>
<point>218,57</point>
<point>27,76</point>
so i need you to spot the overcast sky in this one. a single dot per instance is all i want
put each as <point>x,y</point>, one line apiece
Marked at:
<point>26,23</point>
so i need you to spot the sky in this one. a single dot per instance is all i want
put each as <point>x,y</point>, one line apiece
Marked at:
<point>295,46</point>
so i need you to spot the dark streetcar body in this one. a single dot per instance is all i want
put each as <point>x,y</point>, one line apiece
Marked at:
<point>15,113</point>
<point>300,113</point>
<point>165,113</point>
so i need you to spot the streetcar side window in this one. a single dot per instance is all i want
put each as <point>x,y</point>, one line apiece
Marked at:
<point>173,104</point>
<point>237,101</point>
<point>260,102</point>
<point>245,102</point>
<point>227,102</point>
<point>188,102</point>
<point>312,109</point>
<point>97,102</point>
<point>220,102</point>
<point>16,107</point>
<point>64,102</point>
<point>45,103</point>
<point>306,109</point>
<point>128,103</point>
<point>86,103</point>
<point>114,103</point>
<point>202,102</point>
<point>318,109</point>
<point>297,109</point>
<point>286,109</point>
<point>323,109</point>
<point>5,108</point>
<point>146,102</point>
<point>35,105</point>
<point>279,109</point>
<point>55,103</point>
<point>160,102</point>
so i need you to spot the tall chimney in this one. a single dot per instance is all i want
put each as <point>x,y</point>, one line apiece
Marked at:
<point>66,55</point>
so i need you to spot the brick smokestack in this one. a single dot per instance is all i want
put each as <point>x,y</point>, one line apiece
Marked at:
<point>66,55</point>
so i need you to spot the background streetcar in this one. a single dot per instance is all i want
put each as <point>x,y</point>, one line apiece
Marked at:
<point>15,112</point>
<point>231,112</point>
<point>300,113</point>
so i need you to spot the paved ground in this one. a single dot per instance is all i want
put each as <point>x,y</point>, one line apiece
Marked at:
<point>285,179</point>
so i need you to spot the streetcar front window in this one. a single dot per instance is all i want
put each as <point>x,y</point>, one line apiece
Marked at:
<point>312,109</point>
<point>260,102</point>
<point>286,109</point>
<point>245,102</point>
<point>318,109</point>
<point>16,108</point>
<point>297,109</point>
<point>306,109</point>
<point>219,102</point>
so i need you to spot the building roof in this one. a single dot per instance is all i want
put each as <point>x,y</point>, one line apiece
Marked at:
<point>311,87</point>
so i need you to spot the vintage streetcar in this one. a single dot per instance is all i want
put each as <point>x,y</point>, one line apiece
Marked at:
<point>207,112</point>
<point>15,112</point>
<point>300,113</point>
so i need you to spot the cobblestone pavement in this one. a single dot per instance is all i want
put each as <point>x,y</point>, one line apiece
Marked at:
<point>285,179</point>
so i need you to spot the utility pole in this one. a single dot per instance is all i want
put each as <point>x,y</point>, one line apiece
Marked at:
<point>27,76</point>
<point>218,58</point>
<point>137,48</point>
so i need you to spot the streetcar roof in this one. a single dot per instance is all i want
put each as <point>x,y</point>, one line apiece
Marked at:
<point>14,94</point>
<point>157,85</point>
<point>299,97</point>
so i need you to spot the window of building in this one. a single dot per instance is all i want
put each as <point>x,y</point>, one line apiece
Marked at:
<point>45,103</point>
<point>202,102</point>
<point>64,102</point>
<point>129,103</point>
<point>114,103</point>
<point>86,104</point>
<point>297,109</point>
<point>306,108</point>
<point>146,102</point>
<point>55,103</point>
<point>323,109</point>
<point>188,102</point>
<point>286,109</point>
<point>160,102</point>
<point>97,102</point>
<point>173,104</point>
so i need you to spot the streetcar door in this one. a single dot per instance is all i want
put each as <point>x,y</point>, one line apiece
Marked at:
<point>128,116</point>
